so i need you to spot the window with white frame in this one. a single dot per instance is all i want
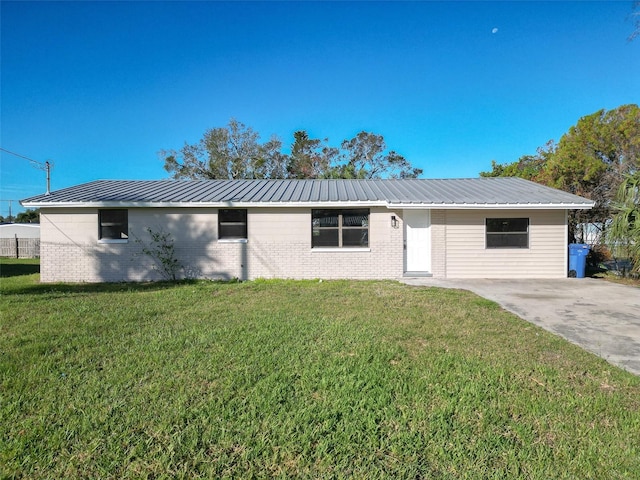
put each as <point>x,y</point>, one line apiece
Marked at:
<point>232,224</point>
<point>113,224</point>
<point>507,232</point>
<point>340,228</point>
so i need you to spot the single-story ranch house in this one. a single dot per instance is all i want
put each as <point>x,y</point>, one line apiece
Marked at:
<point>358,229</point>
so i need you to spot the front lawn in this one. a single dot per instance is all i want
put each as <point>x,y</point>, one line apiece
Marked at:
<point>332,379</point>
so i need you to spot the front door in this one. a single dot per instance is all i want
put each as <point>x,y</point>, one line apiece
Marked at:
<point>418,241</point>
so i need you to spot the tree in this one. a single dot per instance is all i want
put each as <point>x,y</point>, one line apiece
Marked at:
<point>310,158</point>
<point>271,162</point>
<point>593,157</point>
<point>625,226</point>
<point>366,156</point>
<point>590,160</point>
<point>529,167</point>
<point>635,18</point>
<point>29,216</point>
<point>234,152</point>
<point>229,152</point>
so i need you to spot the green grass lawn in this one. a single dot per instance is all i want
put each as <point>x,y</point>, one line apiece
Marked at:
<point>333,379</point>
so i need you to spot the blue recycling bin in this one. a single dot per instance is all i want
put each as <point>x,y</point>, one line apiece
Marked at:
<point>578,259</point>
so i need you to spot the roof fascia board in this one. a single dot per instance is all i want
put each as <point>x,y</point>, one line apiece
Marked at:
<point>493,206</point>
<point>334,204</point>
<point>202,204</point>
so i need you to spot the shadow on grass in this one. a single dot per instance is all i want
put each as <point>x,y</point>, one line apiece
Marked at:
<point>18,269</point>
<point>83,288</point>
<point>15,280</point>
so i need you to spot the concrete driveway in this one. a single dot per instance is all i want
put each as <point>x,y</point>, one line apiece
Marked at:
<point>599,316</point>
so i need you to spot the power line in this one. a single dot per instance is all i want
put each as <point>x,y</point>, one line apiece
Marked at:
<point>46,166</point>
<point>18,155</point>
<point>35,163</point>
<point>42,166</point>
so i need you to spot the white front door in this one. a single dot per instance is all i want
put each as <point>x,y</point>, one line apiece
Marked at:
<point>418,238</point>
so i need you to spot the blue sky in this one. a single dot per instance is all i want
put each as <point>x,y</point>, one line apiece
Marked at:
<point>98,88</point>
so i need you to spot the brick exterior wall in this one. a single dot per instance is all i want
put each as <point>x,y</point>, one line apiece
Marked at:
<point>278,246</point>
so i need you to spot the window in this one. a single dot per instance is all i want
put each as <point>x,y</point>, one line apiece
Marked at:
<point>340,228</point>
<point>507,232</point>
<point>113,225</point>
<point>232,224</point>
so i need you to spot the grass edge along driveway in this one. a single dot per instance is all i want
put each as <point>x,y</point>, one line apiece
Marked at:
<point>302,379</point>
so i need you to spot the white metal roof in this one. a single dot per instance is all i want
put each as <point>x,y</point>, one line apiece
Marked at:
<point>394,193</point>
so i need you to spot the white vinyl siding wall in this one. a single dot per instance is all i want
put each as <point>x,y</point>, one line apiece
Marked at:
<point>467,255</point>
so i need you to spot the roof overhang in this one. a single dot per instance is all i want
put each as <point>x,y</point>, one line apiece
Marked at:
<point>327,204</point>
<point>494,206</point>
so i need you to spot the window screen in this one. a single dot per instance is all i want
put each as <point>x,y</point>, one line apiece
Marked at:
<point>507,232</point>
<point>113,224</point>
<point>232,223</point>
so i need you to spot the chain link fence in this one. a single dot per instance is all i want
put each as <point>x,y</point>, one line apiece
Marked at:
<point>604,256</point>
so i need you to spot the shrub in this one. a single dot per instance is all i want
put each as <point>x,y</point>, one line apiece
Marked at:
<point>161,250</point>
<point>598,255</point>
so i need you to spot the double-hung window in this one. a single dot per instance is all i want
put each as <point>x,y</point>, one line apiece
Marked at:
<point>232,224</point>
<point>507,232</point>
<point>340,228</point>
<point>113,225</point>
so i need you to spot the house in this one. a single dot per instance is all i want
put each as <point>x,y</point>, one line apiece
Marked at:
<point>358,229</point>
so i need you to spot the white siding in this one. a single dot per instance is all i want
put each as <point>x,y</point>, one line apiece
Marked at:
<point>467,256</point>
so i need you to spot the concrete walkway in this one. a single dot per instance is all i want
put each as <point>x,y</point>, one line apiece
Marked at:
<point>599,316</point>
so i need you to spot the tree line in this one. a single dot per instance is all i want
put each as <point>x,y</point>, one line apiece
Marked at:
<point>236,152</point>
<point>28,216</point>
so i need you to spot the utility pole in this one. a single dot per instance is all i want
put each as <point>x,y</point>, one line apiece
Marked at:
<point>48,168</point>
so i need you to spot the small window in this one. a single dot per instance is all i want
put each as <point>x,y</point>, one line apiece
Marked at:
<point>232,224</point>
<point>340,228</point>
<point>113,224</point>
<point>507,232</point>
